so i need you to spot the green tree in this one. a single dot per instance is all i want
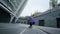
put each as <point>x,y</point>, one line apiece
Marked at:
<point>36,14</point>
<point>53,3</point>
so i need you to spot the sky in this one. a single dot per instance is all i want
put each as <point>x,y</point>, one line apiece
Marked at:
<point>35,5</point>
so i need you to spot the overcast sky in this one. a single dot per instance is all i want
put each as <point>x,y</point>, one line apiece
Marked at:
<point>34,5</point>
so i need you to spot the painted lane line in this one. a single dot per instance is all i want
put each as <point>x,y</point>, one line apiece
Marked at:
<point>23,31</point>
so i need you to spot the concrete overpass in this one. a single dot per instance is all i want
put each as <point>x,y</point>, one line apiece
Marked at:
<point>10,10</point>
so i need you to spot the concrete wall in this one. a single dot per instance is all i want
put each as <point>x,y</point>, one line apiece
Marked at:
<point>49,18</point>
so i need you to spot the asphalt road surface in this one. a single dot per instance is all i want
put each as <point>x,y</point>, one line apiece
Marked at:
<point>23,29</point>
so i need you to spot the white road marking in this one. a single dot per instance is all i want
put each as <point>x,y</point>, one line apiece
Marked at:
<point>23,31</point>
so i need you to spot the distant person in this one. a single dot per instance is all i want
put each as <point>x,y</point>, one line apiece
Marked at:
<point>31,21</point>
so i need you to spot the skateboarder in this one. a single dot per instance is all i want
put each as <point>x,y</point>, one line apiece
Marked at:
<point>31,21</point>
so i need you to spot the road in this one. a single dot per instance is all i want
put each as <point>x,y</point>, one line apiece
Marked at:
<point>23,29</point>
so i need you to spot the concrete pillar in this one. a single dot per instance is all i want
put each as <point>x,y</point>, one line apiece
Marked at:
<point>11,18</point>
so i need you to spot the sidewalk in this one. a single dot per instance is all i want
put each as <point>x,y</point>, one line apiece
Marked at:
<point>49,30</point>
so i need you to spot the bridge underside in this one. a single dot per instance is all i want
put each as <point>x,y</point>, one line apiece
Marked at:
<point>4,16</point>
